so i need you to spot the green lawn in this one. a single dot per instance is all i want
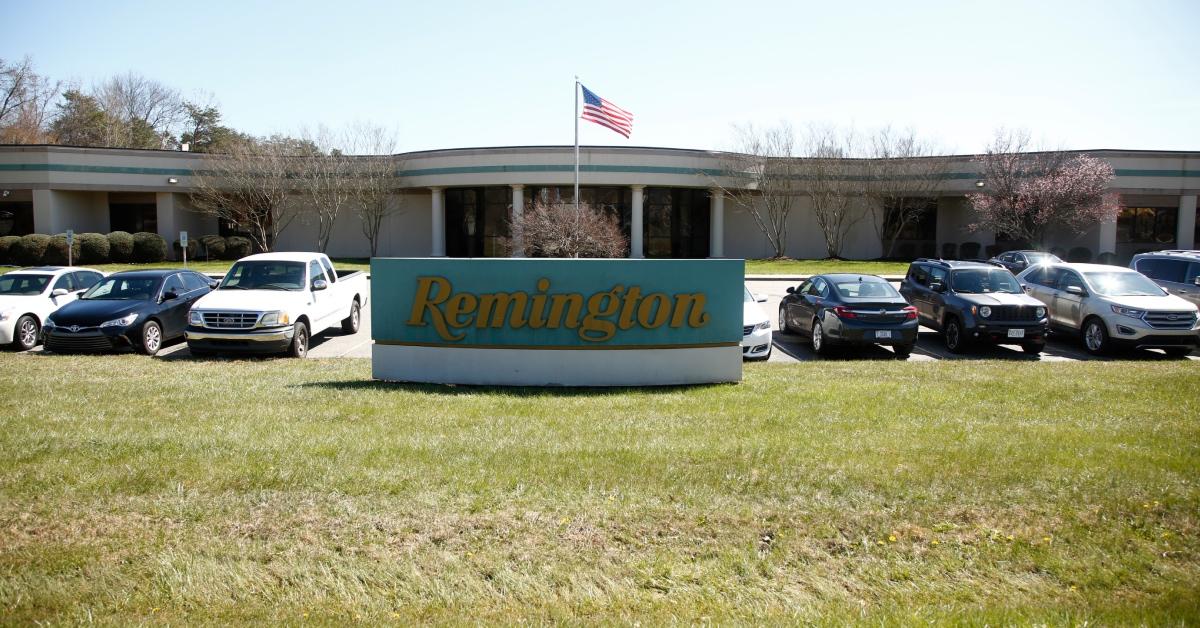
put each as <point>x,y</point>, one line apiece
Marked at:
<point>136,490</point>
<point>817,266</point>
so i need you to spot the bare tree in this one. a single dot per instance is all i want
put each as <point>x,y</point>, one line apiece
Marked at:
<point>903,176</point>
<point>328,182</point>
<point>761,177</point>
<point>147,110</point>
<point>25,100</point>
<point>375,189</point>
<point>835,181</point>
<point>561,230</point>
<point>1027,193</point>
<point>250,187</point>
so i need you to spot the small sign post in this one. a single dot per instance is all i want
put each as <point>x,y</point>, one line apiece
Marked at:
<point>70,247</point>
<point>183,246</point>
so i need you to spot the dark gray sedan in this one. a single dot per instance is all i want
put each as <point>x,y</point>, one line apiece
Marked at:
<point>846,309</point>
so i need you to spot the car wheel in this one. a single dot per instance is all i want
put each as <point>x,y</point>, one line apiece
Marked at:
<point>903,351</point>
<point>783,326</point>
<point>1034,348</point>
<point>1177,352</point>
<point>350,323</point>
<point>26,333</point>
<point>953,336</point>
<point>299,347</point>
<point>1095,337</point>
<point>820,343</point>
<point>151,338</point>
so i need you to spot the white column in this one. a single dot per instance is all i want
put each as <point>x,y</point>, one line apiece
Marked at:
<point>438,223</point>
<point>518,210</point>
<point>1185,234</point>
<point>716,223</point>
<point>1108,237</point>
<point>168,223</point>
<point>635,223</point>
<point>45,214</point>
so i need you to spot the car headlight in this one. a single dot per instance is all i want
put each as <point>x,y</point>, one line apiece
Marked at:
<point>762,326</point>
<point>195,318</point>
<point>1041,312</point>
<point>985,311</point>
<point>1128,311</point>
<point>273,319</point>
<point>121,322</point>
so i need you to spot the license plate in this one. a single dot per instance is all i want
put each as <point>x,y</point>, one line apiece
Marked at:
<point>1016,333</point>
<point>883,334</point>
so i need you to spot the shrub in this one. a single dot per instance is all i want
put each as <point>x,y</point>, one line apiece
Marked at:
<point>237,247</point>
<point>969,250</point>
<point>949,250</point>
<point>1079,254</point>
<point>28,251</point>
<point>6,249</point>
<point>120,246</point>
<point>192,247</point>
<point>56,251</point>
<point>213,247</point>
<point>149,247</point>
<point>93,248</point>
<point>1107,258</point>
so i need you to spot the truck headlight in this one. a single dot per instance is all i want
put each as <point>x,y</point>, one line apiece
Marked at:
<point>273,319</point>
<point>124,321</point>
<point>1128,311</point>
<point>195,318</point>
<point>762,326</point>
<point>1041,312</point>
<point>985,311</point>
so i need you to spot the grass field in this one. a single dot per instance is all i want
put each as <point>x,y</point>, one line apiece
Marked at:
<point>753,266</point>
<point>150,491</point>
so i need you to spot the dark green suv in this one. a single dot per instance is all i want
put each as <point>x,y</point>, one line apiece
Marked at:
<point>971,302</point>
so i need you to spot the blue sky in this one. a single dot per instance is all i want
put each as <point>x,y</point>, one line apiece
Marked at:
<point>1098,74</point>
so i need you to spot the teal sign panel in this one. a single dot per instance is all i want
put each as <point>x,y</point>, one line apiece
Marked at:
<point>557,303</point>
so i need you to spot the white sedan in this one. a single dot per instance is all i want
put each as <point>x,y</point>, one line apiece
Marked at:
<point>29,295</point>
<point>756,328</point>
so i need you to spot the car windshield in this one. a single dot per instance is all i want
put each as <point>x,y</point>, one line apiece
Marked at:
<point>264,275</point>
<point>23,285</point>
<point>866,288</point>
<point>746,295</point>
<point>1123,284</point>
<point>984,280</point>
<point>1042,258</point>
<point>124,288</point>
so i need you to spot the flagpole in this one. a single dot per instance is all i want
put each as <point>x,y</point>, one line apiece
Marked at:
<point>577,144</point>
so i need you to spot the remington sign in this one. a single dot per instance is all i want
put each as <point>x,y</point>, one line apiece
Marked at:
<point>555,305</point>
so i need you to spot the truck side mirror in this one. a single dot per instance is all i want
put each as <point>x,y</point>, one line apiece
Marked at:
<point>1075,290</point>
<point>937,286</point>
<point>319,284</point>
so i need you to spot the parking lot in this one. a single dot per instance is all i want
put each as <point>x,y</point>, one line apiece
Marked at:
<point>793,348</point>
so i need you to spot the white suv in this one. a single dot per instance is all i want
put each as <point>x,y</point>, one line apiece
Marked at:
<point>29,295</point>
<point>1178,272</point>
<point>1110,306</point>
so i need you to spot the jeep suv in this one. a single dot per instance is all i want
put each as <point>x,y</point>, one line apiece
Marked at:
<point>1110,306</point>
<point>972,302</point>
<point>1178,272</point>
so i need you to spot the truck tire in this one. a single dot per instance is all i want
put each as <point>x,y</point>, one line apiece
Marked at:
<point>350,323</point>
<point>954,336</point>
<point>1095,336</point>
<point>299,346</point>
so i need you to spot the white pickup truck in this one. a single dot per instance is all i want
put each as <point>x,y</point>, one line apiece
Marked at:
<point>275,303</point>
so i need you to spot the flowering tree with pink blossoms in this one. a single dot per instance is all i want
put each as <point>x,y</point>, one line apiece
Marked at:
<point>1025,194</point>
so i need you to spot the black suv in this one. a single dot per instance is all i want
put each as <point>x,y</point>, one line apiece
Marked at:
<point>974,301</point>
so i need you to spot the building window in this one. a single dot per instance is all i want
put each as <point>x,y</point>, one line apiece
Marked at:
<point>922,226</point>
<point>1147,225</point>
<point>477,221</point>
<point>677,222</point>
<point>16,218</point>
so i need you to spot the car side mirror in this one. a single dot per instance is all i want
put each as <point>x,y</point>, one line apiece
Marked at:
<point>1196,280</point>
<point>792,289</point>
<point>212,285</point>
<point>937,286</point>
<point>59,292</point>
<point>1075,290</point>
<point>319,284</point>
<point>169,294</point>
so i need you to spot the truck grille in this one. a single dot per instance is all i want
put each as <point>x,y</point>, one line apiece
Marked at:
<point>1170,320</point>
<point>230,320</point>
<point>71,343</point>
<point>1014,313</point>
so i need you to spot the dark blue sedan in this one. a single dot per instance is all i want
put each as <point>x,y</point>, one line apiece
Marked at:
<point>139,309</point>
<point>844,309</point>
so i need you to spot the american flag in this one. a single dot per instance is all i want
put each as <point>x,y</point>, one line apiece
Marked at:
<point>604,113</point>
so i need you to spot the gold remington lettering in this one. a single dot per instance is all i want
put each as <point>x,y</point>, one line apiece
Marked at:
<point>654,311</point>
<point>599,306</point>
<point>696,316</point>
<point>496,305</point>
<point>427,301</point>
<point>573,303</point>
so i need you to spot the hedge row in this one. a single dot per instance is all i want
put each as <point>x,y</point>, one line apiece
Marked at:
<point>87,248</point>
